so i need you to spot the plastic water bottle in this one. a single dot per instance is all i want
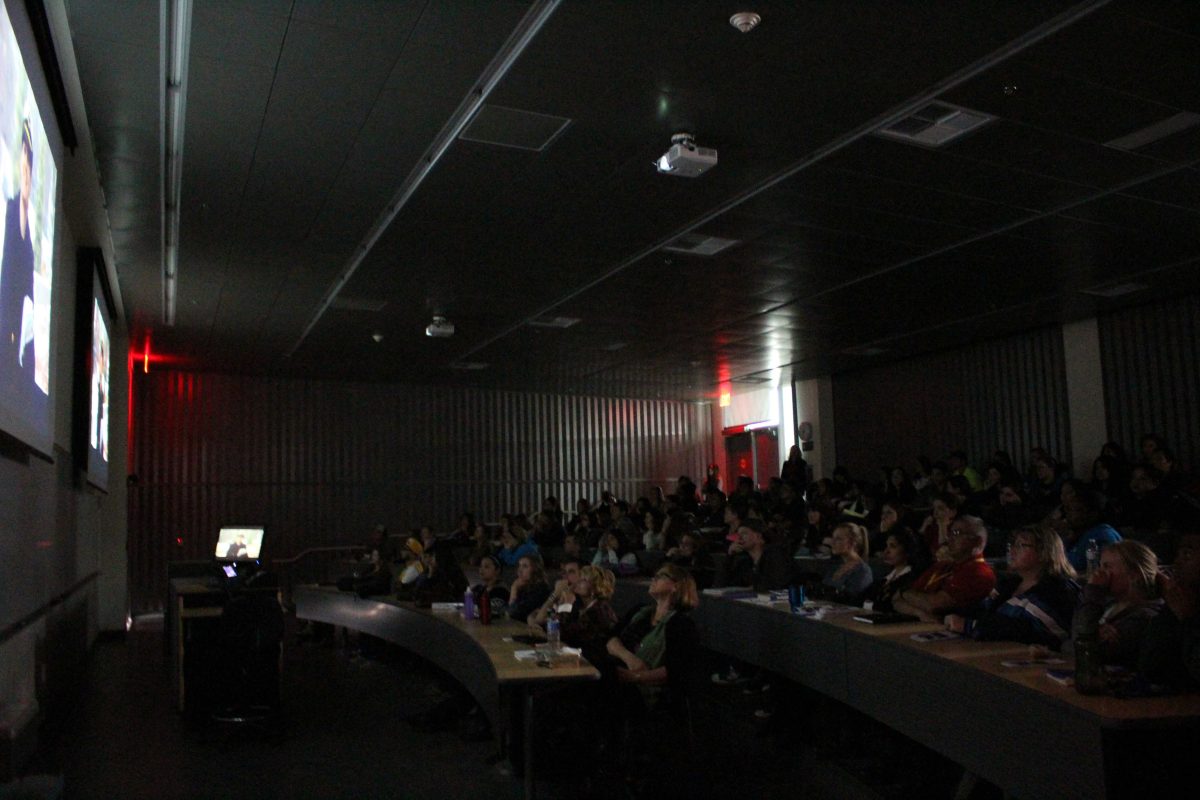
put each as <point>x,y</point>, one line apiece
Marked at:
<point>552,636</point>
<point>485,608</point>
<point>1093,557</point>
<point>468,604</point>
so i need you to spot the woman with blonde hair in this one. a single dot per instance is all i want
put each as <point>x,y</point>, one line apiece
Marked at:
<point>1034,603</point>
<point>1119,601</point>
<point>849,578</point>
<point>656,642</point>
<point>591,619</point>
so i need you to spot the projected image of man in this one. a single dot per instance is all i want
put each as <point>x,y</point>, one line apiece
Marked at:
<point>16,284</point>
<point>237,548</point>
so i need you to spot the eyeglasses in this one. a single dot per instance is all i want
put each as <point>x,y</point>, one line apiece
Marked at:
<point>957,532</point>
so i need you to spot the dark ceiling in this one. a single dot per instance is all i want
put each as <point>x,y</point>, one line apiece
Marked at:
<point>305,118</point>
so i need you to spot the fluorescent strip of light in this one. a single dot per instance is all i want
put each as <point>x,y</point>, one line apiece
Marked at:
<point>174,48</point>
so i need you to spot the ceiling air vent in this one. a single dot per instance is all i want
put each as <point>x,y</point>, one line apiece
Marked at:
<point>697,244</point>
<point>935,125</point>
<point>1159,130</point>
<point>468,365</point>
<point>753,379</point>
<point>553,322</point>
<point>512,127</point>
<point>344,303</point>
<point>1118,290</point>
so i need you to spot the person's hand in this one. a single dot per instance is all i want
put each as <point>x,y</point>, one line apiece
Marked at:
<point>1109,634</point>
<point>674,551</point>
<point>735,548</point>
<point>626,676</point>
<point>956,623</point>
<point>535,629</point>
<point>633,663</point>
<point>1101,577</point>
<point>614,647</point>
<point>560,587</point>
<point>1181,602</point>
<point>518,583</point>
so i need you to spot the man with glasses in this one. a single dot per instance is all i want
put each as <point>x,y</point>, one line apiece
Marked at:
<point>956,584</point>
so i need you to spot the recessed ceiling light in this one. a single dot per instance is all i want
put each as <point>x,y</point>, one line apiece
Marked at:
<point>377,336</point>
<point>1117,290</point>
<point>745,21</point>
<point>935,124</point>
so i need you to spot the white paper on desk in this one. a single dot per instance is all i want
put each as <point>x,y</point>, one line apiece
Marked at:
<point>532,655</point>
<point>935,636</point>
<point>446,607</point>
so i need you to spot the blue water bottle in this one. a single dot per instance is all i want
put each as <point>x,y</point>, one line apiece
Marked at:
<point>468,604</point>
<point>796,597</point>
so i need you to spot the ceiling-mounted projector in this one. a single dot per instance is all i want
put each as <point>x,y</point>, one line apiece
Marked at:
<point>440,328</point>
<point>685,159</point>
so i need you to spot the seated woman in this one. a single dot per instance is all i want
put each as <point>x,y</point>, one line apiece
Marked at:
<point>611,553</point>
<point>443,581</point>
<point>656,644</point>
<point>481,545</point>
<point>692,554</point>
<point>414,565</point>
<point>904,554</point>
<point>1170,651</point>
<point>892,515</point>
<point>515,545</point>
<point>849,576</point>
<point>935,530</point>
<point>530,589</point>
<point>489,585</point>
<point>1119,602</point>
<point>591,619</point>
<point>1035,602</point>
<point>653,524</point>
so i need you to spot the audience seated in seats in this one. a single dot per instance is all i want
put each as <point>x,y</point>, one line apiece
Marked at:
<point>899,488</point>
<point>583,511</point>
<point>652,535</point>
<point>414,565</point>
<point>848,576</point>
<point>656,645</point>
<point>443,581</point>
<point>957,584</point>
<point>490,585</point>
<point>692,554</point>
<point>546,531</point>
<point>892,515</point>
<point>1012,509</point>
<point>935,530</point>
<point>612,553</point>
<point>756,564</point>
<point>562,595</point>
<point>957,461</point>
<point>1044,490</point>
<point>1035,603</point>
<point>622,524</point>
<point>713,513</point>
<point>530,588</point>
<point>428,538</point>
<point>812,536</point>
<point>1110,477</point>
<point>590,622</point>
<point>515,545</point>
<point>1170,650</point>
<point>1119,602</point>
<point>551,506</point>
<point>465,530</point>
<point>481,544</point>
<point>938,474</point>
<point>572,547</point>
<point>674,526</point>
<point>1145,505</point>
<point>374,573</point>
<point>904,553</point>
<point>1173,478</point>
<point>1083,513</point>
<point>712,480</point>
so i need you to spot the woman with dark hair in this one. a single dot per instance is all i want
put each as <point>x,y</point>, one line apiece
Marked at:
<point>903,552</point>
<point>935,530</point>
<point>652,526</point>
<point>812,534</point>
<point>489,585</point>
<point>443,581</point>
<point>1045,490</point>
<point>795,470</point>
<point>892,516</point>
<point>1032,604</point>
<point>1110,477</point>
<point>530,589</point>
<point>899,488</point>
<point>612,553</point>
<point>465,530</point>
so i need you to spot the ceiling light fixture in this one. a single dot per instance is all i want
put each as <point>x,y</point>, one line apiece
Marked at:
<point>174,48</point>
<point>377,336</point>
<point>685,159</point>
<point>745,21</point>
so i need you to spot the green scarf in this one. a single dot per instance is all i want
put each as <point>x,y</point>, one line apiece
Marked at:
<point>653,647</point>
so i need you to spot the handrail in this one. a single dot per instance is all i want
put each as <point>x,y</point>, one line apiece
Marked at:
<point>32,617</point>
<point>327,549</point>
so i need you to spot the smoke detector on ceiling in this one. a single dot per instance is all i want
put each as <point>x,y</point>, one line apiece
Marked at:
<point>685,159</point>
<point>745,21</point>
<point>440,328</point>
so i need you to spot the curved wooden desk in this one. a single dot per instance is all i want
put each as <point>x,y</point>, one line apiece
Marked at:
<point>480,657</point>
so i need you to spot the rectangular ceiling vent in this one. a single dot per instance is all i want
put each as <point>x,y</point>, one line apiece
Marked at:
<point>753,379</point>
<point>698,244</point>
<point>468,365</point>
<point>346,303</point>
<point>935,125</point>
<point>511,127</point>
<point>865,350</point>
<point>1159,130</point>
<point>553,322</point>
<point>1119,290</point>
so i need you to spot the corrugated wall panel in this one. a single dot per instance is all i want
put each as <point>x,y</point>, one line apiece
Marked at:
<point>1008,394</point>
<point>320,462</point>
<point>1151,361</point>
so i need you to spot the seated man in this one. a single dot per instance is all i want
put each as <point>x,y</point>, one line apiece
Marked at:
<point>954,585</point>
<point>562,598</point>
<point>756,564</point>
<point>1083,513</point>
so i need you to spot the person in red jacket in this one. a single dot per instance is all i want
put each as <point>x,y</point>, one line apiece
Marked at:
<point>956,584</point>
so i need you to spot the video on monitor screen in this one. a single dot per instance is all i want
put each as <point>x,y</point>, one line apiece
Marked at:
<point>97,461</point>
<point>28,181</point>
<point>239,544</point>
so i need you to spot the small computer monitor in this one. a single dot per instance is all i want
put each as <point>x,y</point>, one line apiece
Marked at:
<point>239,542</point>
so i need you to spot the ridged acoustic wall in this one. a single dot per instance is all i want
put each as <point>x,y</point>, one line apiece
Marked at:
<point>319,462</point>
<point>1007,394</point>
<point>1151,361</point>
